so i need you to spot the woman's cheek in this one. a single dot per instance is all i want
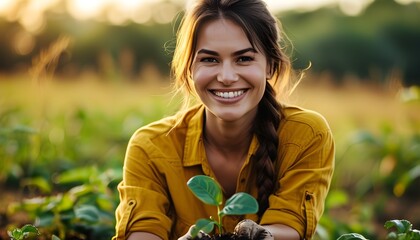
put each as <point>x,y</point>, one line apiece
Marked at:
<point>202,75</point>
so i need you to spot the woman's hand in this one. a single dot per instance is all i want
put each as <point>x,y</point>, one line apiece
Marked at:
<point>250,229</point>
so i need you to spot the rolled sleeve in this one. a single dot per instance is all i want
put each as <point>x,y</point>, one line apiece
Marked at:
<point>130,218</point>
<point>307,164</point>
<point>144,204</point>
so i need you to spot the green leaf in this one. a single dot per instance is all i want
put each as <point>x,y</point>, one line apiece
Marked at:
<point>65,203</point>
<point>336,198</point>
<point>363,137</point>
<point>392,236</point>
<point>239,204</point>
<point>351,236</point>
<point>45,219</point>
<point>405,180</point>
<point>206,189</point>
<point>87,213</point>
<point>15,234</point>
<point>414,235</point>
<point>24,232</point>
<point>30,229</point>
<point>24,129</point>
<point>84,174</point>
<point>39,182</point>
<point>402,226</point>
<point>202,224</point>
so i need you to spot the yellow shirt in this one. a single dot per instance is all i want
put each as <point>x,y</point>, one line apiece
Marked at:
<point>154,196</point>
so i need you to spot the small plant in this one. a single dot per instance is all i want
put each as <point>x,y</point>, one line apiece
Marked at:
<point>26,232</point>
<point>403,230</point>
<point>209,191</point>
<point>84,210</point>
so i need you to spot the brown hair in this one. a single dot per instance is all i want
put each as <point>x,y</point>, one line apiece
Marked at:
<point>263,32</point>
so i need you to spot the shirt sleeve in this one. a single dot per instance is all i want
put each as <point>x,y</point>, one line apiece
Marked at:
<point>305,172</point>
<point>144,204</point>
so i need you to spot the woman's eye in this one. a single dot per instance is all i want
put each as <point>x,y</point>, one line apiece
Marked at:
<point>209,60</point>
<point>245,59</point>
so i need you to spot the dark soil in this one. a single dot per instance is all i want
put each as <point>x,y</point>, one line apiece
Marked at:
<point>228,236</point>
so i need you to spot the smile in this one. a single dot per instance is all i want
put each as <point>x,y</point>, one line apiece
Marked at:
<point>229,95</point>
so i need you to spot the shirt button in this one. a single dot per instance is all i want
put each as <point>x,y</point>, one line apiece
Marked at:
<point>242,180</point>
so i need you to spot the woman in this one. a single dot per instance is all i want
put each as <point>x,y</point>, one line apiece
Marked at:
<point>228,54</point>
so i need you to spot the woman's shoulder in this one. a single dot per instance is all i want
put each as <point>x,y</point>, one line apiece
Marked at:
<point>176,124</point>
<point>296,118</point>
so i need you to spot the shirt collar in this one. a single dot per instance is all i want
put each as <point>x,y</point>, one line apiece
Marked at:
<point>194,153</point>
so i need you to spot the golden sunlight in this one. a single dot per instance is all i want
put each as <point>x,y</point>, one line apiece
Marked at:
<point>30,13</point>
<point>82,10</point>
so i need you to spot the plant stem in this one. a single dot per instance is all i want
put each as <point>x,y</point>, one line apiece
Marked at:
<point>219,222</point>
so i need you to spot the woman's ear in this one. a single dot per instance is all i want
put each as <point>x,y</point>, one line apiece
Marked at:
<point>269,75</point>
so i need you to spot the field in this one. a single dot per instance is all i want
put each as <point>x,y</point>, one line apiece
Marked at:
<point>60,134</point>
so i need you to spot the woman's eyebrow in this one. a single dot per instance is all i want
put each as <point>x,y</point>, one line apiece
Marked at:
<point>236,53</point>
<point>240,52</point>
<point>206,51</point>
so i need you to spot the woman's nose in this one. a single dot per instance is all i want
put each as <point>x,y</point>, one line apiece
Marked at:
<point>227,74</point>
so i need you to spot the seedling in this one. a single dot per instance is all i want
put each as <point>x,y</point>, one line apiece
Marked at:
<point>402,231</point>
<point>209,191</point>
<point>26,232</point>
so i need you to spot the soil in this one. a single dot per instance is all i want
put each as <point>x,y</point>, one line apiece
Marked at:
<point>228,236</point>
<point>225,236</point>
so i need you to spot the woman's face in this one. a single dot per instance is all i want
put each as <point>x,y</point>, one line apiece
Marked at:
<point>229,74</point>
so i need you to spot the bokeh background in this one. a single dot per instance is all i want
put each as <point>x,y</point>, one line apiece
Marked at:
<point>77,78</point>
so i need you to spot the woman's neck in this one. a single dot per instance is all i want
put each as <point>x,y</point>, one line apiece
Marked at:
<point>228,137</point>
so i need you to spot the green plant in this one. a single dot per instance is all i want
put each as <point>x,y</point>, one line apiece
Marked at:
<point>85,211</point>
<point>209,191</point>
<point>26,232</point>
<point>403,230</point>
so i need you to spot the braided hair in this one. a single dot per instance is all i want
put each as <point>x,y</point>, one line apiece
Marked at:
<point>265,129</point>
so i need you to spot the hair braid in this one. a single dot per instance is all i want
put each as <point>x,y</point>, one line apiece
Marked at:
<point>268,120</point>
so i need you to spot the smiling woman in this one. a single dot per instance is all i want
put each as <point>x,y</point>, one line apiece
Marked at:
<point>229,59</point>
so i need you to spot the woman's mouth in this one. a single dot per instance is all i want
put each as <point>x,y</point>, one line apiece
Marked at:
<point>228,94</point>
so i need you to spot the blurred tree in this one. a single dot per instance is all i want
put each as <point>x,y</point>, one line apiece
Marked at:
<point>380,40</point>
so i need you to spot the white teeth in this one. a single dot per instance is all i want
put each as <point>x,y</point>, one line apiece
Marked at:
<point>229,94</point>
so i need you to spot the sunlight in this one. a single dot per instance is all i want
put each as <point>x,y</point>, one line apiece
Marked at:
<point>122,11</point>
<point>164,13</point>
<point>23,42</point>
<point>143,15</point>
<point>82,10</point>
<point>353,7</point>
<point>276,5</point>
<point>406,1</point>
<point>30,13</point>
<point>6,7</point>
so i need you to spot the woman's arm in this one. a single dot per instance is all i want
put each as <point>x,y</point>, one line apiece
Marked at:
<point>283,232</point>
<point>143,235</point>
